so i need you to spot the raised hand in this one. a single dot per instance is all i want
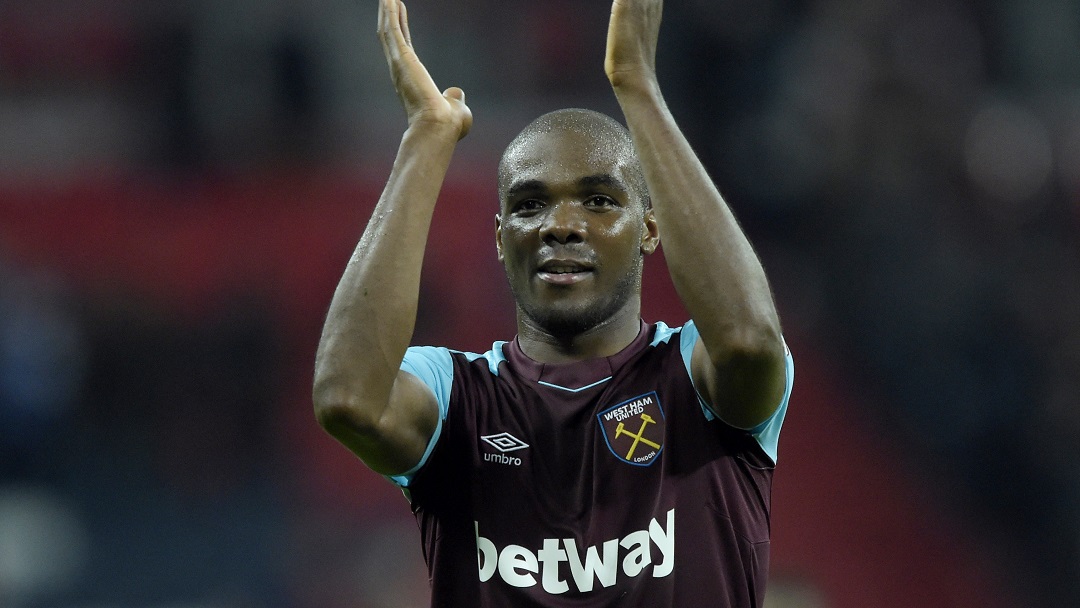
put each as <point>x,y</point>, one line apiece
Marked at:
<point>423,102</point>
<point>631,41</point>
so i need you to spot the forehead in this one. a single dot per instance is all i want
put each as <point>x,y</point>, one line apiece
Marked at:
<point>564,157</point>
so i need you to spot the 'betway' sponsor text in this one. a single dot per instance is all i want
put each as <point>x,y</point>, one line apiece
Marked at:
<point>630,555</point>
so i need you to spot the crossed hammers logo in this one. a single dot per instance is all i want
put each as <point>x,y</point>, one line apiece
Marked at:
<point>646,420</point>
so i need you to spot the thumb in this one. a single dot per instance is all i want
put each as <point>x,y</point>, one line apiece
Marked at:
<point>456,95</point>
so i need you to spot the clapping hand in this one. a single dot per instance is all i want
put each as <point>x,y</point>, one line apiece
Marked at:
<point>424,104</point>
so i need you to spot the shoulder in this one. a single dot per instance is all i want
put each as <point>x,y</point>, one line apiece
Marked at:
<point>684,339</point>
<point>457,379</point>
<point>680,338</point>
<point>436,366</point>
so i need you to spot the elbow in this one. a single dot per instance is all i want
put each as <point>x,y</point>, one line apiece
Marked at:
<point>758,345</point>
<point>760,359</point>
<point>339,412</point>
<point>333,416</point>
<point>752,374</point>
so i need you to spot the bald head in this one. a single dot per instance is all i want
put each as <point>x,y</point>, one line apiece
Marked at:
<point>606,137</point>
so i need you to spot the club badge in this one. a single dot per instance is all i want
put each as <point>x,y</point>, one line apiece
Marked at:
<point>634,429</point>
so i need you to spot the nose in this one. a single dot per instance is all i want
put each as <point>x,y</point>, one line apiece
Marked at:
<point>563,223</point>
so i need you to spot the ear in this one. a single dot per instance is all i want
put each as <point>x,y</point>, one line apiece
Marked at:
<point>498,236</point>
<point>650,235</point>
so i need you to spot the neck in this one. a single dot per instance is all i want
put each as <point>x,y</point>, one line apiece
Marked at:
<point>602,340</point>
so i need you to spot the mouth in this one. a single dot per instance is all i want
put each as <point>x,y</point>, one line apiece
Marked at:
<point>564,272</point>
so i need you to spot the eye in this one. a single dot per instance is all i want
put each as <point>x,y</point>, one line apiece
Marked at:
<point>599,200</point>
<point>527,206</point>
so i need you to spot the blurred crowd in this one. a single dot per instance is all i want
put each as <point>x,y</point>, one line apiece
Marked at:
<point>909,171</point>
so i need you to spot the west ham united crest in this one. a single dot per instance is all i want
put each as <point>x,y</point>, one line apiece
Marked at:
<point>634,429</point>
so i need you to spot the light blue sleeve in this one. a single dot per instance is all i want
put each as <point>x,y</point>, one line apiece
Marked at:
<point>435,368</point>
<point>767,433</point>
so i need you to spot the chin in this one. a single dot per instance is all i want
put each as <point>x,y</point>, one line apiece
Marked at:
<point>576,312</point>
<point>559,325</point>
<point>571,320</point>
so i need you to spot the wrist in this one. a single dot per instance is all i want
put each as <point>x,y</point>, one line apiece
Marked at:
<point>638,95</point>
<point>433,130</point>
<point>635,85</point>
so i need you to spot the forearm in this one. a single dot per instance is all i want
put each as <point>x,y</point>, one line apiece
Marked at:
<point>713,266</point>
<point>373,312</point>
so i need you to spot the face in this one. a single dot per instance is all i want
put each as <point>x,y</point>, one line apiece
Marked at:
<point>572,233</point>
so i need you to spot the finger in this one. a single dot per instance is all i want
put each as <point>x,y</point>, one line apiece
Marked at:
<point>390,24</point>
<point>455,93</point>
<point>387,15</point>
<point>404,23</point>
<point>394,43</point>
<point>384,29</point>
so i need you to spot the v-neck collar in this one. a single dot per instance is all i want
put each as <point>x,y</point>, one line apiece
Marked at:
<point>577,376</point>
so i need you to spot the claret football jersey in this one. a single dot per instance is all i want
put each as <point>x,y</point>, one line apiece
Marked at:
<point>599,483</point>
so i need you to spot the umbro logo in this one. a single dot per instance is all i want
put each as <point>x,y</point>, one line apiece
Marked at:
<point>504,442</point>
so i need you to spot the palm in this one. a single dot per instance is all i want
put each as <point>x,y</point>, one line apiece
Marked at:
<point>631,42</point>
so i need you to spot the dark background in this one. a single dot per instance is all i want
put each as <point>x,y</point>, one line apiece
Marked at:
<point>181,184</point>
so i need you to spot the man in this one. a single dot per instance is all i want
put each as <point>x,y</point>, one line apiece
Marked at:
<point>595,460</point>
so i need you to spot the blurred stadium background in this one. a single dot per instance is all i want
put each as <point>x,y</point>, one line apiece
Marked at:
<point>182,182</point>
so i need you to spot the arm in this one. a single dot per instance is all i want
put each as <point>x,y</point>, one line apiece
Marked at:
<point>382,414</point>
<point>738,364</point>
